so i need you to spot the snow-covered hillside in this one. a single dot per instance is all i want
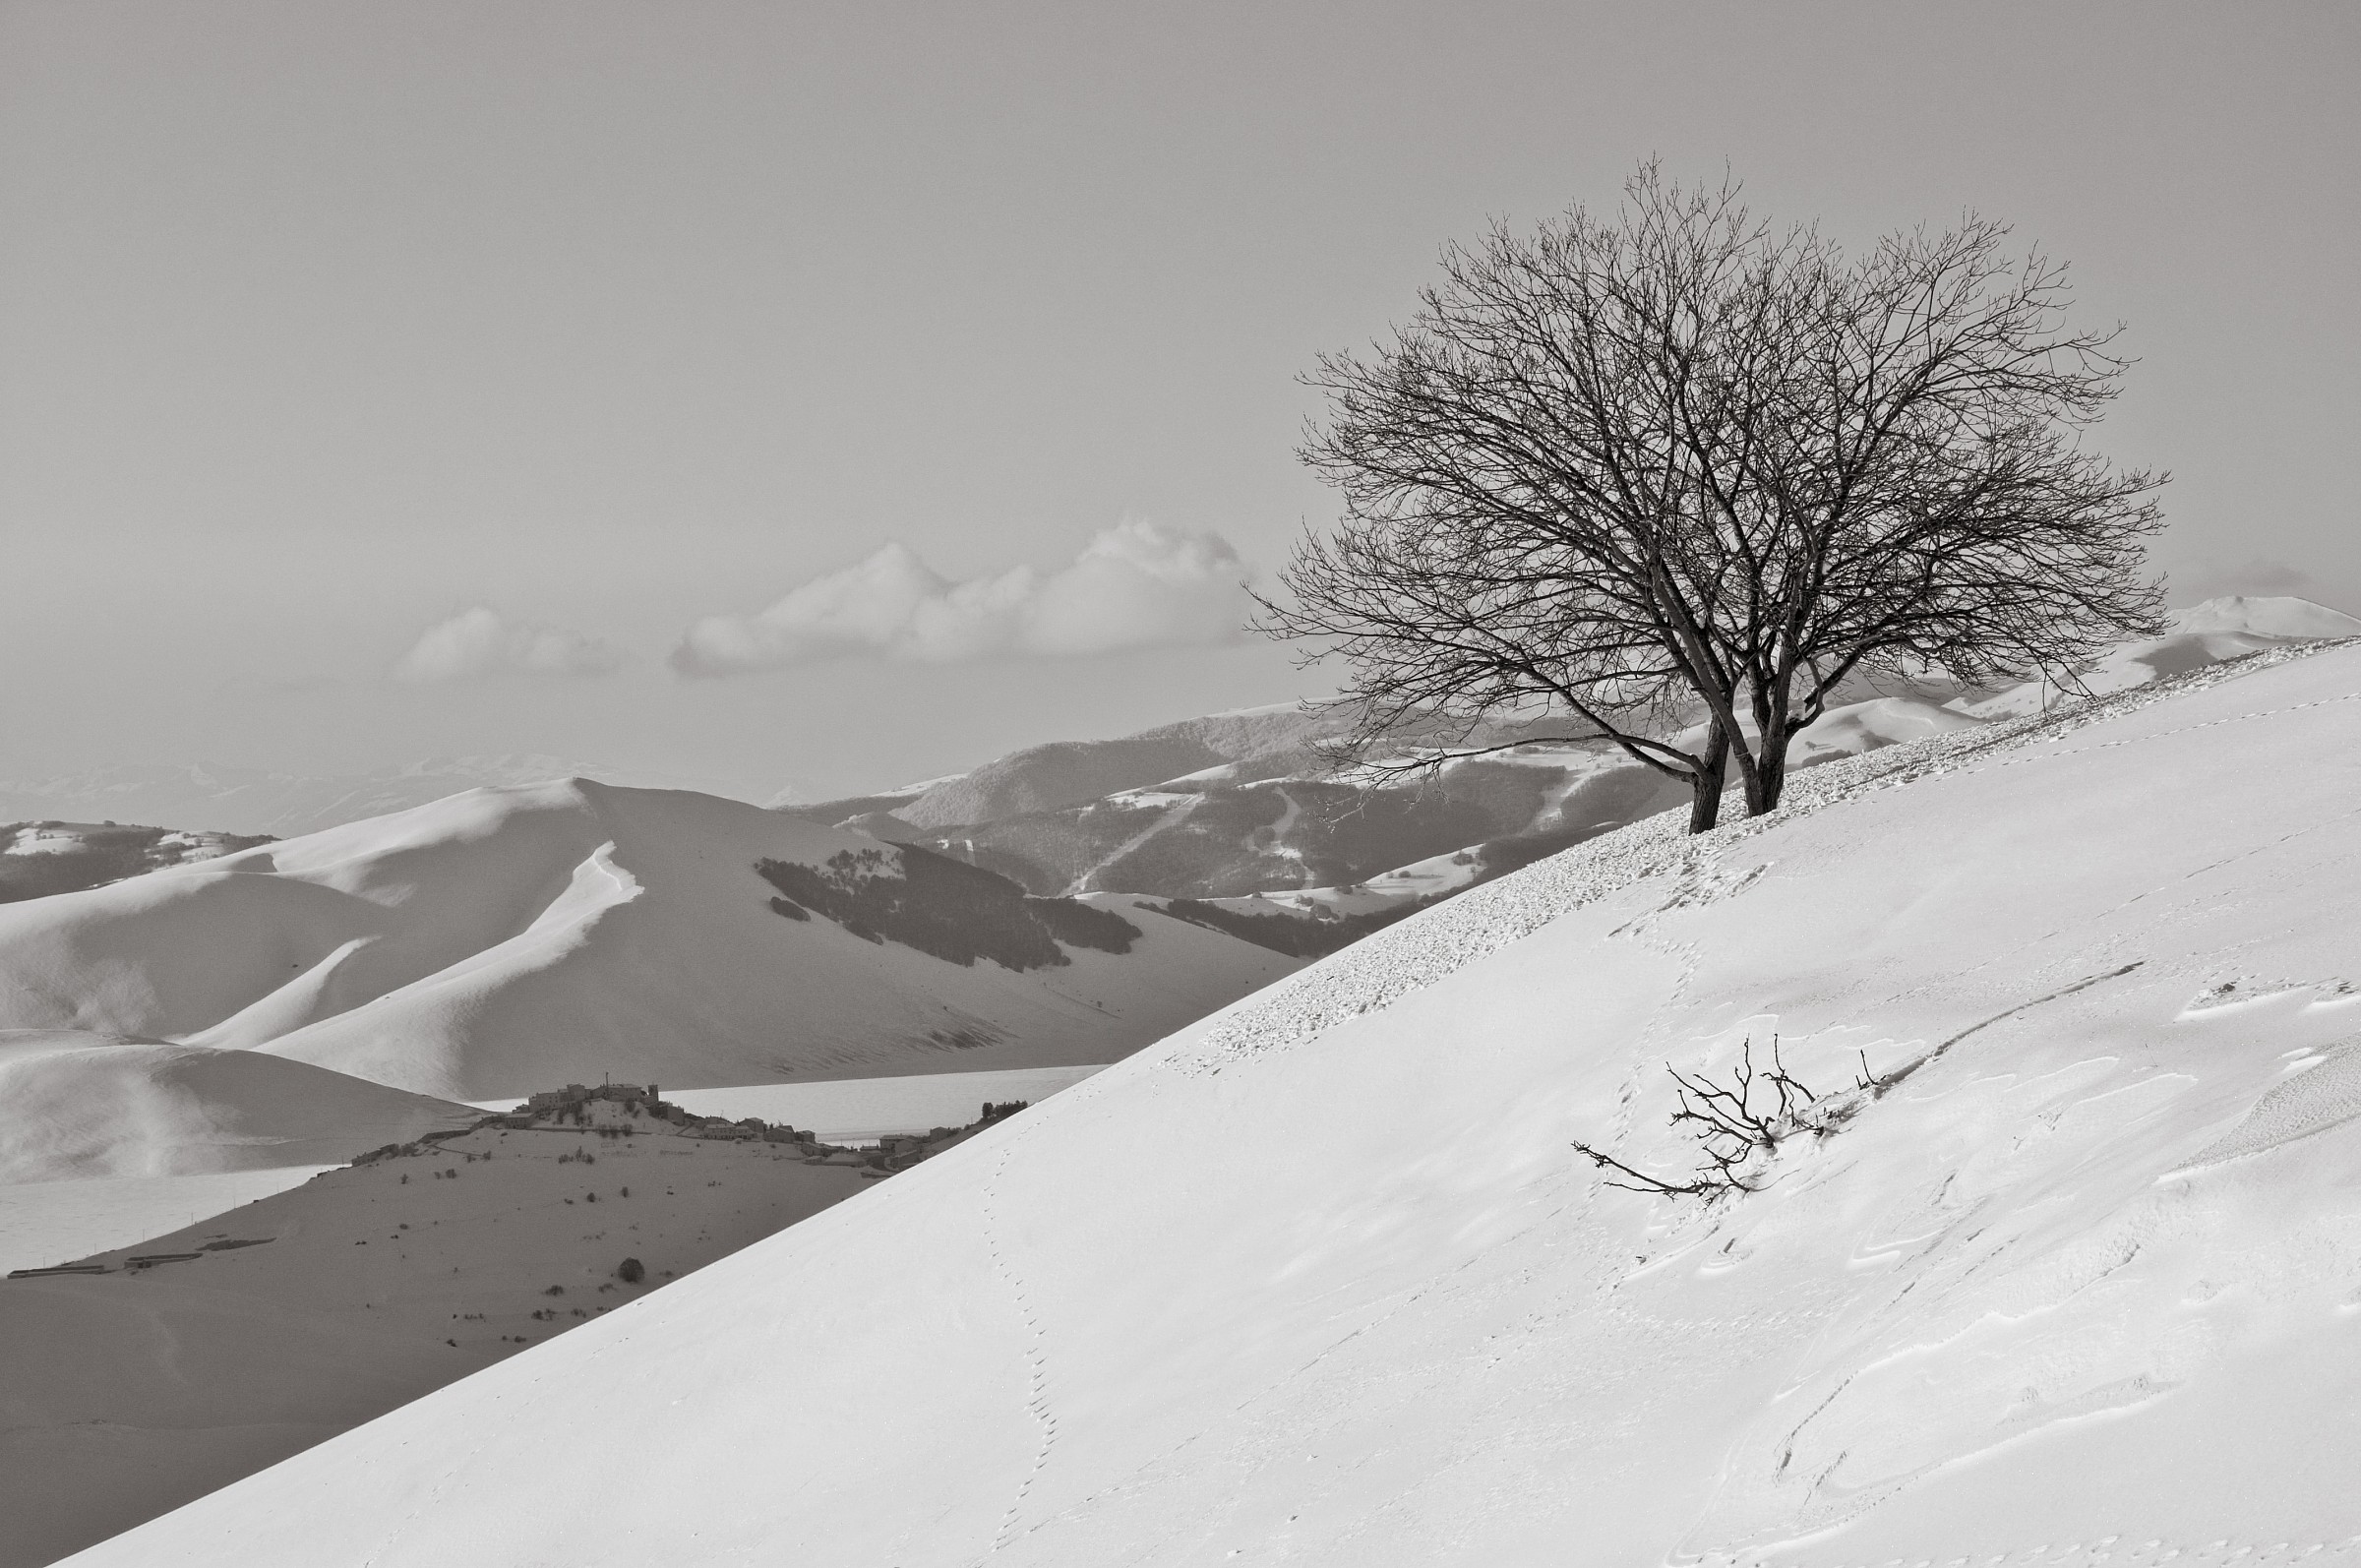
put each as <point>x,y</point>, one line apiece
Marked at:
<point>1237,804</point>
<point>505,939</point>
<point>1319,1280</point>
<point>74,1103</point>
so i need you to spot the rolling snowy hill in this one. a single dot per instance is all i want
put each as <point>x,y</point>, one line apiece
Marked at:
<point>74,1103</point>
<point>1320,1279</point>
<point>250,801</point>
<point>507,939</point>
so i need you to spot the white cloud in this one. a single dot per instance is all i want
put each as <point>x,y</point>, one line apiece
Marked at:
<point>481,642</point>
<point>1135,585</point>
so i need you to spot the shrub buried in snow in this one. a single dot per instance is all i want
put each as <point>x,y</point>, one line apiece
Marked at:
<point>1740,1125</point>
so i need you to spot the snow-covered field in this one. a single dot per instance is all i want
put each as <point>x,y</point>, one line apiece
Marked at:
<point>42,1223</point>
<point>857,1109</point>
<point>1319,1280</point>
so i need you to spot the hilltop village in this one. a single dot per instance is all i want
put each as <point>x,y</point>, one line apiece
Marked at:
<point>322,1306</point>
<point>624,1110</point>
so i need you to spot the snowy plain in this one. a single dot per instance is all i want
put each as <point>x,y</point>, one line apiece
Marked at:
<point>42,1223</point>
<point>1321,1279</point>
<point>859,1110</point>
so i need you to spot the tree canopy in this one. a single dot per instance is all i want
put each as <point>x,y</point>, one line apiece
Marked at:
<point>1678,476</point>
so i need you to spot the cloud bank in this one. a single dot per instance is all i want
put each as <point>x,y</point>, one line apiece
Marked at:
<point>481,642</point>
<point>1135,585</point>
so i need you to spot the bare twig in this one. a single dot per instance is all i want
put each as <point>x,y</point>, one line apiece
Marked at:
<point>1740,1124</point>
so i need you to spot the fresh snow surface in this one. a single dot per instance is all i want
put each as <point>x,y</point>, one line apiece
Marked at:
<point>1319,1280</point>
<point>862,1109</point>
<point>505,940</point>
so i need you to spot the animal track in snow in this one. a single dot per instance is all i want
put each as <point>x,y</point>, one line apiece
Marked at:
<point>1036,1401</point>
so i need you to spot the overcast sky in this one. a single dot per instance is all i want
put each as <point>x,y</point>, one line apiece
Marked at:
<point>817,396</point>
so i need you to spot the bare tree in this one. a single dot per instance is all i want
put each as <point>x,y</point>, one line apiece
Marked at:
<point>1680,466</point>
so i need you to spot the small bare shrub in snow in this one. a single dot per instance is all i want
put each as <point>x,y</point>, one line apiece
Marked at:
<point>1741,1125</point>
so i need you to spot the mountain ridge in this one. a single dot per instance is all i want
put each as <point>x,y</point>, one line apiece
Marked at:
<point>505,937</point>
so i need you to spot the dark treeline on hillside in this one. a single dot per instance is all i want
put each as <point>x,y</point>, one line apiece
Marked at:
<point>1297,935</point>
<point>73,856</point>
<point>942,907</point>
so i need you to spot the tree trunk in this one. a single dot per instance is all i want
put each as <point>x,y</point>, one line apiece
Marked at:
<point>1773,782</point>
<point>1767,779</point>
<point>1705,805</point>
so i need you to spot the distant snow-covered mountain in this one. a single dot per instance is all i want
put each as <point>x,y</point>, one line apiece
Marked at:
<point>83,1102</point>
<point>200,796</point>
<point>504,939</point>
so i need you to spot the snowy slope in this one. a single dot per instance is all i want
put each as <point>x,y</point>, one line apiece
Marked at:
<point>1320,1281</point>
<point>508,940</point>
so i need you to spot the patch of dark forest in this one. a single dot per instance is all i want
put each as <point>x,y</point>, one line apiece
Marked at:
<point>942,907</point>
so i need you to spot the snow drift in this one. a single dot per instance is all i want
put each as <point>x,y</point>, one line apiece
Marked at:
<point>1319,1280</point>
<point>510,939</point>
